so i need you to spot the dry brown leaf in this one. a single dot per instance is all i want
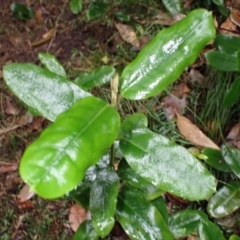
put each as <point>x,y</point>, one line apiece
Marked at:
<point>173,105</point>
<point>234,132</point>
<point>8,167</point>
<point>128,34</point>
<point>38,16</point>
<point>25,193</point>
<point>77,216</point>
<point>187,3</point>
<point>228,27</point>
<point>193,134</point>
<point>195,76</point>
<point>235,16</point>
<point>10,107</point>
<point>46,37</point>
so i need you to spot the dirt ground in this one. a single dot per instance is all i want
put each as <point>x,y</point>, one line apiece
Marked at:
<point>37,218</point>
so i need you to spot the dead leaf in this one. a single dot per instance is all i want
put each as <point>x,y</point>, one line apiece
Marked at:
<point>77,216</point>
<point>10,107</point>
<point>173,105</point>
<point>228,27</point>
<point>128,34</point>
<point>36,123</point>
<point>165,19</point>
<point>187,3</point>
<point>195,76</point>
<point>46,37</point>
<point>38,16</point>
<point>193,134</point>
<point>25,193</point>
<point>234,132</point>
<point>8,167</point>
<point>235,16</point>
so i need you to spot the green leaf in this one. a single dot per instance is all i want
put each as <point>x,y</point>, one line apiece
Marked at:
<point>234,237</point>
<point>231,156</point>
<point>163,59</point>
<point>218,2</point>
<point>139,218</point>
<point>46,92</point>
<point>227,43</point>
<point>81,194</point>
<point>160,204</point>
<point>233,94</point>
<point>209,231</point>
<point>185,222</point>
<point>96,77</point>
<point>96,10</point>
<point>57,161</point>
<point>103,201</point>
<point>21,11</point>
<point>225,201</point>
<point>173,6</point>
<point>222,61</point>
<point>51,63</point>
<point>76,6</point>
<point>85,232</point>
<point>137,120</point>
<point>166,165</point>
<point>126,173</point>
<point>122,16</point>
<point>214,159</point>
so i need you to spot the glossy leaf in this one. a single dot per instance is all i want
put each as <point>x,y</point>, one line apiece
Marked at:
<point>227,43</point>
<point>76,6</point>
<point>21,11</point>
<point>96,77</point>
<point>215,159</point>
<point>126,173</point>
<point>81,194</point>
<point>218,2</point>
<point>234,237</point>
<point>96,10</point>
<point>225,201</point>
<point>160,204</point>
<point>185,222</point>
<point>46,92</point>
<point>86,232</point>
<point>173,6</point>
<point>209,231</point>
<point>137,120</point>
<point>231,156</point>
<point>57,161</point>
<point>165,165</point>
<point>122,16</point>
<point>51,63</point>
<point>139,218</point>
<point>163,59</point>
<point>222,61</point>
<point>103,200</point>
<point>233,94</point>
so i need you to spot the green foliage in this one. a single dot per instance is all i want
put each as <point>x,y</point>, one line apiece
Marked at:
<point>175,46</point>
<point>173,6</point>
<point>76,6</point>
<point>75,155</point>
<point>227,59</point>
<point>21,11</point>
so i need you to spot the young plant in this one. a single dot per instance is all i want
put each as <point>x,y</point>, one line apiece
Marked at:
<point>227,59</point>
<point>79,149</point>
